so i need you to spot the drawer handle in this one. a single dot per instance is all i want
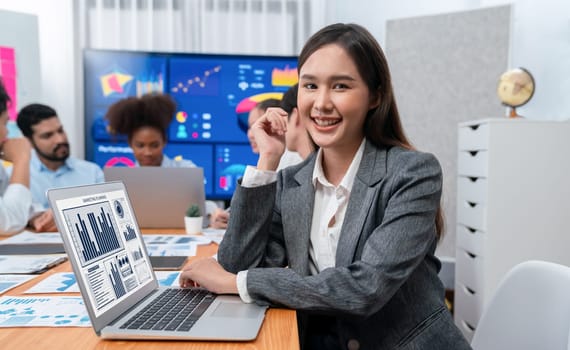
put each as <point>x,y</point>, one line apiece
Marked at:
<point>470,229</point>
<point>473,179</point>
<point>469,290</point>
<point>472,204</point>
<point>473,153</point>
<point>470,255</point>
<point>474,127</point>
<point>468,326</point>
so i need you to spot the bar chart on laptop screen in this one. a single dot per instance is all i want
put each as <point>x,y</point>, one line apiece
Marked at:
<point>94,231</point>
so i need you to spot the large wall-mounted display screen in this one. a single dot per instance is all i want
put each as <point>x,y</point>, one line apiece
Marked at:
<point>214,94</point>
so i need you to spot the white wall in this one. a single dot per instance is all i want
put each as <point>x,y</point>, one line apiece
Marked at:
<point>540,40</point>
<point>23,38</point>
<point>59,60</point>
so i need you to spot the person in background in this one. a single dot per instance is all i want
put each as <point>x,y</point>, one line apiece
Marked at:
<point>289,157</point>
<point>145,121</point>
<point>15,196</point>
<point>51,164</point>
<point>256,113</point>
<point>297,139</point>
<point>347,237</point>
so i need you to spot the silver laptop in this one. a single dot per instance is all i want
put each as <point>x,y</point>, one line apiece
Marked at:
<point>117,283</point>
<point>160,196</point>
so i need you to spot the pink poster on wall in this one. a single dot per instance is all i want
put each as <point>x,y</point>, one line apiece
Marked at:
<point>8,74</point>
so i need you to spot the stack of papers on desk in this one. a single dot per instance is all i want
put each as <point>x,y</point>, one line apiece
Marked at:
<point>29,263</point>
<point>32,243</point>
<point>30,252</point>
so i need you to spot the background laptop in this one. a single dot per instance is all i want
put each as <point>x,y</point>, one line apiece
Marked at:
<point>113,271</point>
<point>160,196</point>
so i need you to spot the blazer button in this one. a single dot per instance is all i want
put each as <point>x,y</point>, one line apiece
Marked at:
<point>353,344</point>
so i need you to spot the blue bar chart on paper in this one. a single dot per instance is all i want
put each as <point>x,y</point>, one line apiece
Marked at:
<point>95,231</point>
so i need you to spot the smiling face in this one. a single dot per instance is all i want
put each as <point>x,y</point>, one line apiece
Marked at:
<point>333,99</point>
<point>148,145</point>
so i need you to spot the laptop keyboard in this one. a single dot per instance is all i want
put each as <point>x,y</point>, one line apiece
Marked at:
<point>172,310</point>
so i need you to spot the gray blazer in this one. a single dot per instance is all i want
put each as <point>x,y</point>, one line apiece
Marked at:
<point>384,292</point>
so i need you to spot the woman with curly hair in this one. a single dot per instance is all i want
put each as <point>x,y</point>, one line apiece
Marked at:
<point>145,122</point>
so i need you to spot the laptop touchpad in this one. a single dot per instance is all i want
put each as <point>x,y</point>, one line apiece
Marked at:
<point>233,310</point>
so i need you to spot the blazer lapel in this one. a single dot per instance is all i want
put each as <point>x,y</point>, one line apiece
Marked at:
<point>301,209</point>
<point>371,170</point>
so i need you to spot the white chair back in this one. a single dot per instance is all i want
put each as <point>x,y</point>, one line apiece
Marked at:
<point>530,310</point>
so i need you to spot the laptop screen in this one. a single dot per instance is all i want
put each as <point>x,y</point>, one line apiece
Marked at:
<point>160,196</point>
<point>104,244</point>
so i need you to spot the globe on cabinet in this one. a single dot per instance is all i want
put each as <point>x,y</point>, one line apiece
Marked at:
<point>515,88</point>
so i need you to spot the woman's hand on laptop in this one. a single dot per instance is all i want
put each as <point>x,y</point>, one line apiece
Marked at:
<point>209,274</point>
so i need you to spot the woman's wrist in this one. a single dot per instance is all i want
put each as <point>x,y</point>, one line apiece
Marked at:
<point>268,161</point>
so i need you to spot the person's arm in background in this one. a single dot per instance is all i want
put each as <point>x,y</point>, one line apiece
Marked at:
<point>43,222</point>
<point>219,218</point>
<point>16,201</point>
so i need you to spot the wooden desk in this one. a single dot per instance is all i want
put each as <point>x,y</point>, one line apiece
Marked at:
<point>279,330</point>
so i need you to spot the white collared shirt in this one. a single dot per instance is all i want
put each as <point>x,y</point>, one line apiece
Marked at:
<point>15,204</point>
<point>330,202</point>
<point>328,212</point>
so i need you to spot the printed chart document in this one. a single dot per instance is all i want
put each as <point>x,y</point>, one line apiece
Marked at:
<point>29,263</point>
<point>173,245</point>
<point>167,278</point>
<point>62,282</point>
<point>28,237</point>
<point>8,282</point>
<point>57,311</point>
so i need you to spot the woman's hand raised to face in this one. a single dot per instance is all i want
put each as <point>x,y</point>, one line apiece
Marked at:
<point>16,150</point>
<point>269,132</point>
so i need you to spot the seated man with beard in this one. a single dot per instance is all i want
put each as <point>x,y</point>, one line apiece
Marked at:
<point>51,165</point>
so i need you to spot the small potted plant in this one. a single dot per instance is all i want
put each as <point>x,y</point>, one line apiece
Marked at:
<point>193,219</point>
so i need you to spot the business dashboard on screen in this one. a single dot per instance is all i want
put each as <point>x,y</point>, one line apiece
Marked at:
<point>213,93</point>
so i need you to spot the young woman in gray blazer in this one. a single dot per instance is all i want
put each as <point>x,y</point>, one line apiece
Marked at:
<point>347,238</point>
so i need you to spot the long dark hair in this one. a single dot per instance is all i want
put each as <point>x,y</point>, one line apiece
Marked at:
<point>382,125</point>
<point>4,97</point>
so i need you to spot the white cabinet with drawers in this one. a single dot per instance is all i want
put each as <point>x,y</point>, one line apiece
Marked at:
<point>513,204</point>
